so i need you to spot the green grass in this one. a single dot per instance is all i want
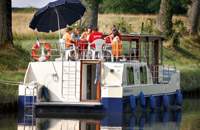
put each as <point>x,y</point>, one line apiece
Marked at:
<point>13,64</point>
<point>186,57</point>
<point>33,36</point>
<point>8,93</point>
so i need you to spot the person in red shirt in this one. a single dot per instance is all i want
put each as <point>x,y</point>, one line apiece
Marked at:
<point>94,36</point>
<point>112,27</point>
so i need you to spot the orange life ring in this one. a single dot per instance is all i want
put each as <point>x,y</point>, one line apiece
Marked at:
<point>36,47</point>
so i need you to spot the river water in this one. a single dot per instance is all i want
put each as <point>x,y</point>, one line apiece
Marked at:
<point>185,118</point>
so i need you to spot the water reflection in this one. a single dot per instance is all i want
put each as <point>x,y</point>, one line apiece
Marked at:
<point>156,120</point>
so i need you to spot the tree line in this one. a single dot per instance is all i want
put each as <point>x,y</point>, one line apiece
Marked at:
<point>165,8</point>
<point>140,6</point>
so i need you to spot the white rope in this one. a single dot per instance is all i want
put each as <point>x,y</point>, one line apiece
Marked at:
<point>10,82</point>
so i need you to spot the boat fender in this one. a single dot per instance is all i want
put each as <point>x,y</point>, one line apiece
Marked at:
<point>179,116</point>
<point>179,98</point>
<point>152,118</point>
<point>142,122</point>
<point>142,99</point>
<point>152,103</point>
<point>165,101</point>
<point>132,122</point>
<point>46,93</point>
<point>40,92</point>
<point>97,74</point>
<point>165,116</point>
<point>132,102</point>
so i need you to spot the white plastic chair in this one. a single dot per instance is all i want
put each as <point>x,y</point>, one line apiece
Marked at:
<point>67,52</point>
<point>109,50</point>
<point>98,43</point>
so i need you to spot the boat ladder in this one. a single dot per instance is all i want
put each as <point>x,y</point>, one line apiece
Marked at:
<point>29,99</point>
<point>69,79</point>
<point>29,120</point>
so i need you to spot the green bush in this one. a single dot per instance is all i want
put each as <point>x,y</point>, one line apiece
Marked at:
<point>121,23</point>
<point>149,26</point>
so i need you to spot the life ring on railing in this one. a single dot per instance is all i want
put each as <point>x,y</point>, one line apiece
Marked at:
<point>36,47</point>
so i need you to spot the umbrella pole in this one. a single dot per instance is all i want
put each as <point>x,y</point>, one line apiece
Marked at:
<point>61,44</point>
<point>80,24</point>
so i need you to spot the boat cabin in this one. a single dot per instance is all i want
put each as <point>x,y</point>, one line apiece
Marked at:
<point>144,48</point>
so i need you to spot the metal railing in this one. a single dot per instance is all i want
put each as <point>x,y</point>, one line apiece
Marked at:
<point>163,75</point>
<point>81,51</point>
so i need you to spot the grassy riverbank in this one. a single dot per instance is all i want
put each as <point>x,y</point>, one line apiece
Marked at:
<point>13,63</point>
<point>187,60</point>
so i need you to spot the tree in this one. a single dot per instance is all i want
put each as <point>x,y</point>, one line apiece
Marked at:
<point>193,16</point>
<point>91,15</point>
<point>164,18</point>
<point>5,23</point>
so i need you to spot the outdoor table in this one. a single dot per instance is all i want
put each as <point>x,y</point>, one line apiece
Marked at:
<point>83,44</point>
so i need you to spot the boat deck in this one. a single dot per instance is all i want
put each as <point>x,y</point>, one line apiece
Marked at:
<point>85,104</point>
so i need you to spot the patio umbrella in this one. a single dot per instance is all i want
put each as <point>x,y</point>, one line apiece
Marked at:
<point>57,15</point>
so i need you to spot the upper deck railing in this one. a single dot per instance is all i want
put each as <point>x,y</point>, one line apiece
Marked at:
<point>107,52</point>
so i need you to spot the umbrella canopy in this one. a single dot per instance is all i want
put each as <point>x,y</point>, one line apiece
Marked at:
<point>57,15</point>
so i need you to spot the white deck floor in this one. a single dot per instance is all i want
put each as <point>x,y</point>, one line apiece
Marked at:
<point>89,104</point>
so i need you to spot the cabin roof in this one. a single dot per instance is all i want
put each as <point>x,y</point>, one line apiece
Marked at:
<point>143,35</point>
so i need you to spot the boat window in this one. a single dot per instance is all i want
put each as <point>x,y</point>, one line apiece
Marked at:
<point>143,75</point>
<point>143,52</point>
<point>160,52</point>
<point>150,51</point>
<point>130,49</point>
<point>130,76</point>
<point>125,47</point>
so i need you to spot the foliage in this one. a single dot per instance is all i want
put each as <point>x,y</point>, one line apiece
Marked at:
<point>140,6</point>
<point>130,7</point>
<point>90,3</point>
<point>149,26</point>
<point>168,18</point>
<point>121,23</point>
<point>127,6</point>
<point>178,26</point>
<point>179,30</point>
<point>175,39</point>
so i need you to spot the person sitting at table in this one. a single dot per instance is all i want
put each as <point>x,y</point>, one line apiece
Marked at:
<point>94,36</point>
<point>86,34</point>
<point>68,39</point>
<point>116,45</point>
<point>75,33</point>
<point>110,37</point>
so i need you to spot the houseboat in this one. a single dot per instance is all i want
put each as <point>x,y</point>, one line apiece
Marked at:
<point>98,83</point>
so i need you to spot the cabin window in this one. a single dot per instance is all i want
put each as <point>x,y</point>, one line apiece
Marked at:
<point>125,47</point>
<point>130,49</point>
<point>143,75</point>
<point>130,76</point>
<point>143,52</point>
<point>160,52</point>
<point>150,52</point>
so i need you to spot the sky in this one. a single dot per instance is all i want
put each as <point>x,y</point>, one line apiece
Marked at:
<point>30,3</point>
